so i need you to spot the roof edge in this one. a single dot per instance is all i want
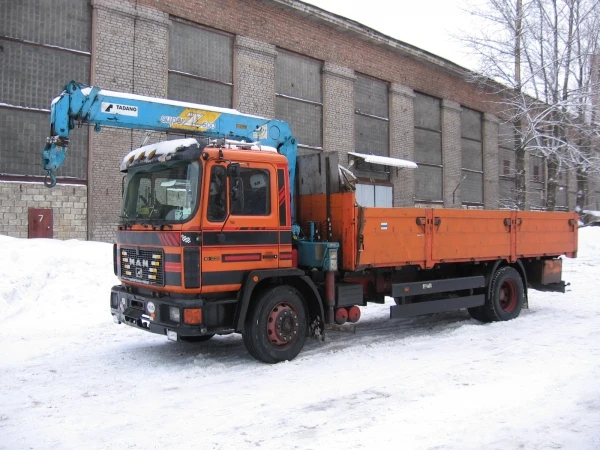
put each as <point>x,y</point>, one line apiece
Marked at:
<point>377,37</point>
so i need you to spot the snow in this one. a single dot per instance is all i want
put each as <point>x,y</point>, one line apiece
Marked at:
<point>162,148</point>
<point>167,147</point>
<point>165,101</point>
<point>27,108</point>
<point>72,379</point>
<point>385,160</point>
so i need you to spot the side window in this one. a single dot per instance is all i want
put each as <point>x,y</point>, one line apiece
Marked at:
<point>217,201</point>
<point>250,193</point>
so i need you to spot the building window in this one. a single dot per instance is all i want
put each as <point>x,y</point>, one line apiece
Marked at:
<point>200,64</point>
<point>217,198</point>
<point>562,191</point>
<point>537,192</point>
<point>41,49</point>
<point>374,195</point>
<point>472,157</point>
<point>371,123</point>
<point>299,98</point>
<point>428,149</point>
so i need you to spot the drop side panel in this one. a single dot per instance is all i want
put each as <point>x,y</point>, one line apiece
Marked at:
<point>546,234</point>
<point>465,235</point>
<point>391,237</point>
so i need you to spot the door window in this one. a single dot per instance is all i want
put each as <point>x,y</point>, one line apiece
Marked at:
<point>250,193</point>
<point>217,199</point>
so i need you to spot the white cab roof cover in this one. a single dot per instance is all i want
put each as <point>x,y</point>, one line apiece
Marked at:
<point>384,160</point>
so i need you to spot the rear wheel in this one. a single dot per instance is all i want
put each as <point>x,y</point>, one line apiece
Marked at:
<point>506,298</point>
<point>276,326</point>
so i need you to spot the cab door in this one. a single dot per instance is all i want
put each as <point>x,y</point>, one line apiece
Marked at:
<point>240,225</point>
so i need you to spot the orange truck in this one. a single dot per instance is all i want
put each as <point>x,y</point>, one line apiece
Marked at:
<point>236,234</point>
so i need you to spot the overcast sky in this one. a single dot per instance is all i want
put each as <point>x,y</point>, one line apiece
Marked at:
<point>427,24</point>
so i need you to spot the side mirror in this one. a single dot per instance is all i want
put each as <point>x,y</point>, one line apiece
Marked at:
<point>233,170</point>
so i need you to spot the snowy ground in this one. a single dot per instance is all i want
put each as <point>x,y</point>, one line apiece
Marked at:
<point>71,379</point>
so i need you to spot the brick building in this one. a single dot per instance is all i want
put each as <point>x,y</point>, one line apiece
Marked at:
<point>342,86</point>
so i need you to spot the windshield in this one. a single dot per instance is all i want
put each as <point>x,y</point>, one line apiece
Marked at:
<point>161,193</point>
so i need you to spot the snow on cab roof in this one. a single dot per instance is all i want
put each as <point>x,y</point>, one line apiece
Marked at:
<point>168,147</point>
<point>159,148</point>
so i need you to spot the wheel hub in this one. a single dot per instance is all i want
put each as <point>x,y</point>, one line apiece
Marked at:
<point>282,325</point>
<point>508,296</point>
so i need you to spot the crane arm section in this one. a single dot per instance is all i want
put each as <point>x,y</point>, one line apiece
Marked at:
<point>92,105</point>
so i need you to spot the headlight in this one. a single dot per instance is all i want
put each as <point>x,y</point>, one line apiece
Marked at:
<point>150,307</point>
<point>174,313</point>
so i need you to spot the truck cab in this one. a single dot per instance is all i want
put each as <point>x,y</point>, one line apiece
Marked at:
<point>195,220</point>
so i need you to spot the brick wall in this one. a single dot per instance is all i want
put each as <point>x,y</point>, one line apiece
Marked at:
<point>338,110</point>
<point>268,22</point>
<point>68,204</point>
<point>254,77</point>
<point>491,174</point>
<point>130,54</point>
<point>402,143</point>
<point>451,153</point>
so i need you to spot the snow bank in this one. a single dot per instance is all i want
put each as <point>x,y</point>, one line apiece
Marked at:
<point>43,277</point>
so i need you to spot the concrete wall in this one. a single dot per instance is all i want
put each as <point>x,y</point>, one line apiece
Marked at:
<point>68,204</point>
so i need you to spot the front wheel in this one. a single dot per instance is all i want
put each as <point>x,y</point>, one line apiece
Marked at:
<point>276,326</point>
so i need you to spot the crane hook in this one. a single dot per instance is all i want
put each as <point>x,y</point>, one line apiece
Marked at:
<point>50,175</point>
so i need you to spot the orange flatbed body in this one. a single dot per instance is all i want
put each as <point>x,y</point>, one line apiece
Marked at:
<point>395,237</point>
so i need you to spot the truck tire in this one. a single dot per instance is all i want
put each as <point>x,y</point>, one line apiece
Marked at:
<point>478,313</point>
<point>203,338</point>
<point>276,326</point>
<point>506,298</point>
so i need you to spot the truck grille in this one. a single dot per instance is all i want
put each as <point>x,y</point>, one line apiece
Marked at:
<point>143,265</point>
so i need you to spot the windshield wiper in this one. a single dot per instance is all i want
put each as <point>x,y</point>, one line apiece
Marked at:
<point>126,221</point>
<point>161,223</point>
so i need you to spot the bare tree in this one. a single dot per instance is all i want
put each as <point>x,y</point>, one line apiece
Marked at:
<point>536,56</point>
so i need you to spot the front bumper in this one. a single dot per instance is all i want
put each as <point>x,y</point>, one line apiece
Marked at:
<point>132,309</point>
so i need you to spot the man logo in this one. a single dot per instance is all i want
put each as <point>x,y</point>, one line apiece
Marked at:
<point>186,239</point>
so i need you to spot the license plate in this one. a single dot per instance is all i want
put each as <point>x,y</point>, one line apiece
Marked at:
<point>172,335</point>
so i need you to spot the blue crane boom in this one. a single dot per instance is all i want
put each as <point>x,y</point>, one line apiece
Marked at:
<point>90,104</point>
